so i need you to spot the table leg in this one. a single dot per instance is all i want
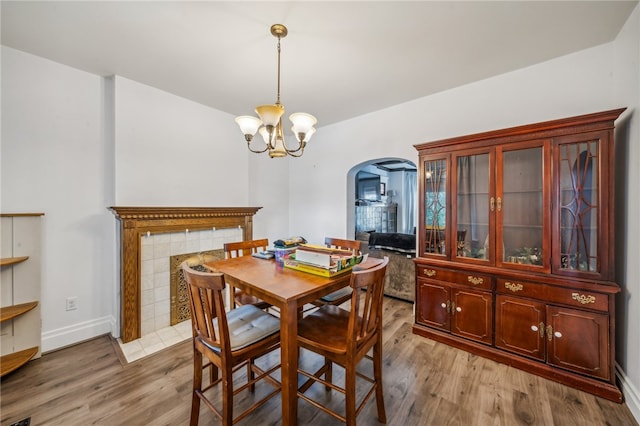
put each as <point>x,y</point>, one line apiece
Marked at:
<point>289,358</point>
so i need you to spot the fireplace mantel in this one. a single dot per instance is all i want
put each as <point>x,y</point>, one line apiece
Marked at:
<point>138,221</point>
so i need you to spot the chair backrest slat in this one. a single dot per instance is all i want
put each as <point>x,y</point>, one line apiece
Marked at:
<point>207,306</point>
<point>368,291</point>
<point>244,248</point>
<point>353,245</point>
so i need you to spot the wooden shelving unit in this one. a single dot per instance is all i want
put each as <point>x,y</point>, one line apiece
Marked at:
<point>15,360</point>
<point>11,312</point>
<point>20,269</point>
<point>12,260</point>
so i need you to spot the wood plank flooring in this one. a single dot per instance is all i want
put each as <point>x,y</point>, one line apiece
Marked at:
<point>425,383</point>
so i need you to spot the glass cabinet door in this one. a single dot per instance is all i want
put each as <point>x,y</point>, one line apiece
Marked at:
<point>521,209</point>
<point>435,209</point>
<point>579,206</point>
<point>473,198</point>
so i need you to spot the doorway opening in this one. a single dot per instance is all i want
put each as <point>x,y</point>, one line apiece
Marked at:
<point>382,197</point>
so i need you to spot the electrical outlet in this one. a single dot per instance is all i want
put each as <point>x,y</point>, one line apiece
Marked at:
<point>72,303</point>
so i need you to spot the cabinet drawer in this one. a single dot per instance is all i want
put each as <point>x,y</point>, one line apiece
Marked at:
<point>521,288</point>
<point>463,278</point>
<point>579,298</point>
<point>566,296</point>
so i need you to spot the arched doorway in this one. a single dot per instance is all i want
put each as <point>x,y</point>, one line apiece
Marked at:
<point>381,196</point>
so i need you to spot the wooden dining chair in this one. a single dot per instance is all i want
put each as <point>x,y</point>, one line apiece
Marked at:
<point>245,248</point>
<point>228,340</point>
<point>340,296</point>
<point>345,338</point>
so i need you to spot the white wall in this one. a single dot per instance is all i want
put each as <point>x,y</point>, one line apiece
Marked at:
<point>626,90</point>
<point>74,144</point>
<point>571,85</point>
<point>55,160</point>
<point>575,84</point>
<point>174,152</point>
<point>269,189</point>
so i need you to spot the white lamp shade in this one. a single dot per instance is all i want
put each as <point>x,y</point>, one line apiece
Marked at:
<point>265,135</point>
<point>270,114</point>
<point>248,125</point>
<point>307,135</point>
<point>302,122</point>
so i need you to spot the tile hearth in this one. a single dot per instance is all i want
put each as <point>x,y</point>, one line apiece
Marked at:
<point>156,341</point>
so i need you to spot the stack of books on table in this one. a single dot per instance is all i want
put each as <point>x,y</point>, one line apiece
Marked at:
<point>321,260</point>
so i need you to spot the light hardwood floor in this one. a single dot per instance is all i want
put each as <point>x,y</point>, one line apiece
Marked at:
<point>425,383</point>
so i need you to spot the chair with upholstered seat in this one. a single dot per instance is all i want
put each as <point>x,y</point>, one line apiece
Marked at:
<point>228,340</point>
<point>345,338</point>
<point>340,296</point>
<point>245,248</point>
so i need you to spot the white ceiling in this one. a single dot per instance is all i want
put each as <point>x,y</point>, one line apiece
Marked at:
<point>340,59</point>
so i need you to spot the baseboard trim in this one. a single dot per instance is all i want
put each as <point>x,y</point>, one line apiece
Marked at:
<point>630,392</point>
<point>70,335</point>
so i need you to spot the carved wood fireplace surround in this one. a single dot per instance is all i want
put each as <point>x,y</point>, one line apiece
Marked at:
<point>135,222</point>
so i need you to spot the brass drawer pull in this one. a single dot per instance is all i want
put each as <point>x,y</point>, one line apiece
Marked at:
<point>514,287</point>
<point>583,299</point>
<point>430,272</point>
<point>475,280</point>
<point>549,333</point>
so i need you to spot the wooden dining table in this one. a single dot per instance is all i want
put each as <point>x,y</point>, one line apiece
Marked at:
<point>288,290</point>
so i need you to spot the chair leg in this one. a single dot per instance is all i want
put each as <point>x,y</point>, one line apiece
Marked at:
<point>328,374</point>
<point>227,396</point>
<point>350,394</point>
<point>197,386</point>
<point>377,375</point>
<point>213,373</point>
<point>232,297</point>
<point>250,374</point>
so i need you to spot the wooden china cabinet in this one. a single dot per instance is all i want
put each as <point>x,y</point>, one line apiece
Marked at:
<point>516,256</point>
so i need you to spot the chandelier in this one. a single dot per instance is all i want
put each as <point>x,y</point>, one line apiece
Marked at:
<point>269,125</point>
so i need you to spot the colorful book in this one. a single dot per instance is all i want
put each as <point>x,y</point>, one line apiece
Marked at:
<point>330,259</point>
<point>315,270</point>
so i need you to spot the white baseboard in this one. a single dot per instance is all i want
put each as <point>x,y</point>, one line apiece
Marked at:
<point>76,333</point>
<point>630,392</point>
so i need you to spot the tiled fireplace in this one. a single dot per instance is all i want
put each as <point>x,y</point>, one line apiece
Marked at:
<point>155,271</point>
<point>148,237</point>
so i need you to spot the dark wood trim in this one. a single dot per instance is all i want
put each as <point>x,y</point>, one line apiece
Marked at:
<point>580,124</point>
<point>138,221</point>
